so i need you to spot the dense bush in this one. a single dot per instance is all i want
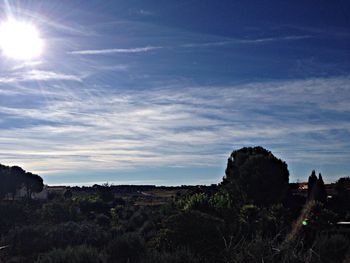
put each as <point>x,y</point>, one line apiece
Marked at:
<point>199,232</point>
<point>178,256</point>
<point>30,240</point>
<point>251,217</point>
<point>92,204</point>
<point>12,214</point>
<point>333,248</point>
<point>127,248</point>
<point>80,254</point>
<point>58,211</point>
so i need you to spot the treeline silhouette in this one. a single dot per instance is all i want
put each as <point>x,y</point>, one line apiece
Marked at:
<point>253,215</point>
<point>14,178</point>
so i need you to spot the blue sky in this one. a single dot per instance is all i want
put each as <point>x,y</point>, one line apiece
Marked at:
<point>161,92</point>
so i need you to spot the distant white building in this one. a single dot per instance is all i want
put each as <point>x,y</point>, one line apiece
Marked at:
<point>22,193</point>
<point>43,195</point>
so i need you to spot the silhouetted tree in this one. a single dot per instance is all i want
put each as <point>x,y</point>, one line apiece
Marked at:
<point>4,180</point>
<point>316,188</point>
<point>311,183</point>
<point>342,197</point>
<point>33,183</point>
<point>17,179</point>
<point>13,178</point>
<point>255,175</point>
<point>342,186</point>
<point>322,194</point>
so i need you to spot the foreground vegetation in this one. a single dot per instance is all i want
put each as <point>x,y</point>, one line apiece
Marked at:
<point>253,215</point>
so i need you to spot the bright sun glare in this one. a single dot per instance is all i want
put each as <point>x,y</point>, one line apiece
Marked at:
<point>20,40</point>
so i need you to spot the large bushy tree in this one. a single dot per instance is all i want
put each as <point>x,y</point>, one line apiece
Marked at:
<point>255,175</point>
<point>342,187</point>
<point>33,183</point>
<point>13,178</point>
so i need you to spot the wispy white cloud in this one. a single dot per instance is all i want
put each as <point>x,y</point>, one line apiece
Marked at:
<point>182,126</point>
<point>49,75</point>
<point>272,39</point>
<point>187,45</point>
<point>115,50</point>
<point>245,41</point>
<point>27,64</point>
<point>37,75</point>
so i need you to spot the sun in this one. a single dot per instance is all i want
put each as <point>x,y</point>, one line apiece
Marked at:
<point>20,40</point>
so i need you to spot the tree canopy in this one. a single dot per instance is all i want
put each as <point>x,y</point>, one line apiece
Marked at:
<point>14,178</point>
<point>254,174</point>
